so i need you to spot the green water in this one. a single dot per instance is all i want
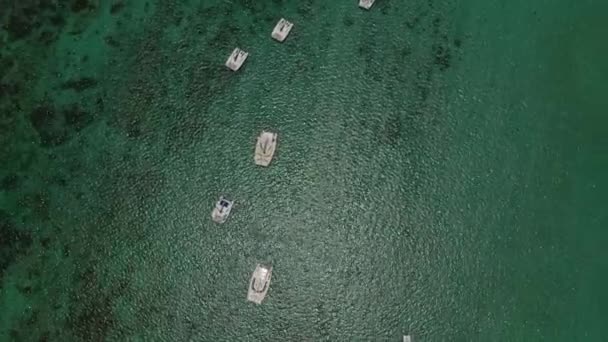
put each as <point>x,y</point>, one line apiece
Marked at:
<point>440,171</point>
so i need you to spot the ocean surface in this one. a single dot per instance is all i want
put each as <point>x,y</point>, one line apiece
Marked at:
<point>441,170</point>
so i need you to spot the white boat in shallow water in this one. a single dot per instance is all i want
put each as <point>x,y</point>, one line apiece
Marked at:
<point>281,30</point>
<point>222,210</point>
<point>407,338</point>
<point>367,4</point>
<point>265,147</point>
<point>236,59</point>
<point>259,283</point>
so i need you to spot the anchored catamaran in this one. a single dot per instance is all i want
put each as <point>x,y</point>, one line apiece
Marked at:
<point>236,59</point>
<point>222,210</point>
<point>259,283</point>
<point>367,4</point>
<point>265,147</point>
<point>281,30</point>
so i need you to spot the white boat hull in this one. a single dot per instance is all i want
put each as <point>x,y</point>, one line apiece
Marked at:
<point>220,213</point>
<point>259,283</point>
<point>281,30</point>
<point>265,148</point>
<point>236,59</point>
<point>366,4</point>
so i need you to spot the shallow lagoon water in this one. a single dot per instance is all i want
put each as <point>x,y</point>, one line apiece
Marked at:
<point>440,171</point>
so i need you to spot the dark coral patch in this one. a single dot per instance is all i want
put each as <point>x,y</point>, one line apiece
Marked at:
<point>79,84</point>
<point>10,182</point>
<point>55,126</point>
<point>443,57</point>
<point>45,242</point>
<point>47,37</point>
<point>81,5</point>
<point>134,129</point>
<point>45,337</point>
<point>49,5</point>
<point>95,321</point>
<point>405,51</point>
<point>6,64</point>
<point>117,7</point>
<point>111,41</point>
<point>42,116</point>
<point>26,17</point>
<point>18,27</point>
<point>57,20</point>
<point>8,89</point>
<point>99,103</point>
<point>76,118</point>
<point>13,242</point>
<point>40,205</point>
<point>457,42</point>
<point>47,123</point>
<point>94,317</point>
<point>25,289</point>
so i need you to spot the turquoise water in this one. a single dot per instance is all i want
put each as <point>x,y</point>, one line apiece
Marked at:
<point>440,171</point>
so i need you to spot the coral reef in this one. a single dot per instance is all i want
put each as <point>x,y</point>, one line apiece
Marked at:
<point>13,242</point>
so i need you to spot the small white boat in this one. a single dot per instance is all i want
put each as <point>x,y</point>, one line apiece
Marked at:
<point>265,147</point>
<point>236,59</point>
<point>367,4</point>
<point>281,30</point>
<point>259,283</point>
<point>407,338</point>
<point>222,210</point>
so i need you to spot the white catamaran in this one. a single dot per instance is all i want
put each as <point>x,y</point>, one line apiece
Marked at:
<point>221,210</point>
<point>367,4</point>
<point>259,283</point>
<point>236,59</point>
<point>281,30</point>
<point>265,147</point>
